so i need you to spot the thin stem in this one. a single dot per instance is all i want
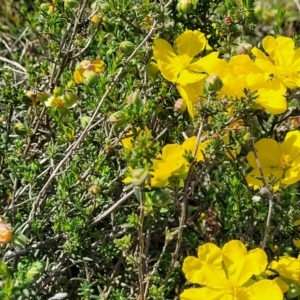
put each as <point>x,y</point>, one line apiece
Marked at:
<point>268,193</point>
<point>142,245</point>
<point>184,206</point>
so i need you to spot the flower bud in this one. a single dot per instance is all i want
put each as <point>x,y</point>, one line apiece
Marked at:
<point>107,25</point>
<point>134,97</point>
<point>86,65</point>
<point>20,129</point>
<point>127,48</point>
<point>5,233</point>
<point>70,84</point>
<point>89,78</point>
<point>228,20</point>
<point>244,48</point>
<point>96,19</point>
<point>36,270</point>
<point>70,99</point>
<point>118,118</point>
<point>185,6</point>
<point>58,91</point>
<point>213,83</point>
<point>84,121</point>
<point>152,69</point>
<point>140,177</point>
<point>71,3</point>
<point>180,105</point>
<point>94,190</point>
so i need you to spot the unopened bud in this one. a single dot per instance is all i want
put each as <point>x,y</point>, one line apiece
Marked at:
<point>89,78</point>
<point>244,48</point>
<point>94,190</point>
<point>152,69</point>
<point>71,3</point>
<point>185,6</point>
<point>213,83</point>
<point>140,177</point>
<point>118,118</point>
<point>20,129</point>
<point>96,19</point>
<point>84,121</point>
<point>133,97</point>
<point>57,92</point>
<point>127,48</point>
<point>35,271</point>
<point>107,25</point>
<point>5,233</point>
<point>180,105</point>
<point>70,99</point>
<point>228,20</point>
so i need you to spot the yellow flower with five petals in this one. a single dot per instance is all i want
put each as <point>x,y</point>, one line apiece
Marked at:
<point>225,274</point>
<point>178,64</point>
<point>280,163</point>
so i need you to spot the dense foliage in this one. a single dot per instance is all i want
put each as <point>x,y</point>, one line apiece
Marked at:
<point>149,149</point>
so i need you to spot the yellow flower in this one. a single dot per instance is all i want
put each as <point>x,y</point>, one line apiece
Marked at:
<point>191,93</point>
<point>226,273</point>
<point>62,102</point>
<point>283,61</point>
<point>289,270</point>
<point>280,162</point>
<point>171,163</point>
<point>270,92</point>
<point>177,64</point>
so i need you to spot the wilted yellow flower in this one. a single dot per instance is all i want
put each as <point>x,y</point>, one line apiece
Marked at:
<point>84,69</point>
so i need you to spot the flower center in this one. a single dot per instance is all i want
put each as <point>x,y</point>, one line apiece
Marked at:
<point>232,289</point>
<point>185,61</point>
<point>284,161</point>
<point>57,102</point>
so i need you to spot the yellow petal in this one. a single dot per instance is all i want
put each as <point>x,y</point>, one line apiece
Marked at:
<point>258,260</point>
<point>201,293</point>
<point>170,71</point>
<point>281,284</point>
<point>190,145</point>
<point>210,254</point>
<point>272,101</point>
<point>78,77</point>
<point>191,266</point>
<point>163,51</point>
<point>291,144</point>
<point>264,289</point>
<point>266,160</point>
<point>190,43</point>
<point>99,66</point>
